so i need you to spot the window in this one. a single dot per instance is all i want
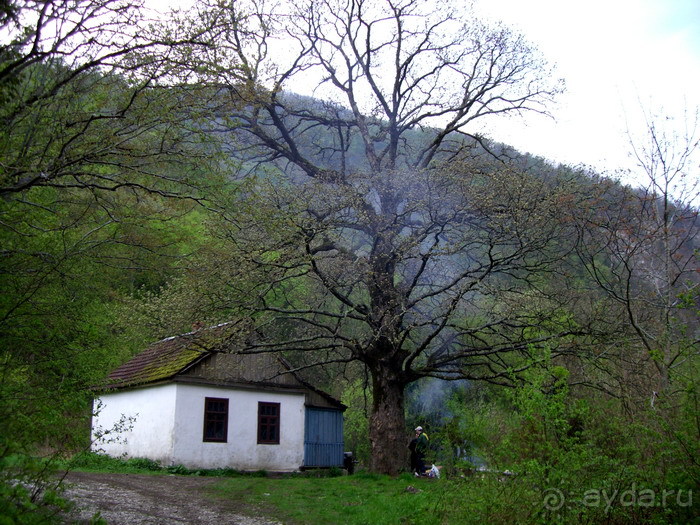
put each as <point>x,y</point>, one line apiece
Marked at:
<point>269,423</point>
<point>215,419</point>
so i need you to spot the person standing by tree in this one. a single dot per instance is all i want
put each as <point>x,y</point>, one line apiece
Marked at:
<point>421,448</point>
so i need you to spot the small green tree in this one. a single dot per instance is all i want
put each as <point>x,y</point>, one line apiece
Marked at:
<point>92,138</point>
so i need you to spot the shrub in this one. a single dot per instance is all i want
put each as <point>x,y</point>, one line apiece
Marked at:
<point>145,464</point>
<point>29,493</point>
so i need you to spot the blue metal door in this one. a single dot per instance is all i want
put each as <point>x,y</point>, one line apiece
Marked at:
<point>323,438</point>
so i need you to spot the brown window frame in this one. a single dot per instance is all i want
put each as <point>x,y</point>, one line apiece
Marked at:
<point>214,417</point>
<point>267,422</point>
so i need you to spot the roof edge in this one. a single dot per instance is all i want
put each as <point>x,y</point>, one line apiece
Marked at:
<point>325,395</point>
<point>137,384</point>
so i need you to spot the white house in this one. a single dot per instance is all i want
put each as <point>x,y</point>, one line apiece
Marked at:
<point>188,400</point>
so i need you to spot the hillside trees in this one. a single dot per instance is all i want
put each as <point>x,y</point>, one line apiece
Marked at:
<point>91,140</point>
<point>641,249</point>
<point>641,245</point>
<point>393,238</point>
<point>89,101</point>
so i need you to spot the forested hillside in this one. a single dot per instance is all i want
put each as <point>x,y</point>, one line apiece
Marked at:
<point>160,175</point>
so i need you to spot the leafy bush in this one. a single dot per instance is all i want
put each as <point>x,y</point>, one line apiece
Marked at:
<point>179,469</point>
<point>575,455</point>
<point>146,464</point>
<point>358,399</point>
<point>29,493</point>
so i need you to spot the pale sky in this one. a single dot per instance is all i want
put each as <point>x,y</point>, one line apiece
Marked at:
<point>616,56</point>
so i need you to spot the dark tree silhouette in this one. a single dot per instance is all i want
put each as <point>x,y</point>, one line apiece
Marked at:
<point>394,236</point>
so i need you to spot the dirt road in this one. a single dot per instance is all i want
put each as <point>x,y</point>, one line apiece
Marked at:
<point>136,499</point>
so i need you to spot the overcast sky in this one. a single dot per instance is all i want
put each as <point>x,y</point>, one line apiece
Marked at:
<point>615,56</point>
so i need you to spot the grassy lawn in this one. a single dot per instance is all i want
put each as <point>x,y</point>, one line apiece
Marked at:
<point>324,498</point>
<point>361,498</point>
<point>373,499</point>
<point>319,497</point>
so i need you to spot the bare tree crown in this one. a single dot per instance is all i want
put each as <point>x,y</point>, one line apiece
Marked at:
<point>395,66</point>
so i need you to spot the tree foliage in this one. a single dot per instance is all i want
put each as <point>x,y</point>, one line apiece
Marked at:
<point>91,141</point>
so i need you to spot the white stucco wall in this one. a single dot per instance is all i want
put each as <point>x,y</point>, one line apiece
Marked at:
<point>241,450</point>
<point>151,434</point>
<point>170,420</point>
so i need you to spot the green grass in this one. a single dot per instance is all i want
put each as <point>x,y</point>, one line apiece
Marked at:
<point>381,500</point>
<point>92,462</point>
<point>326,497</point>
<point>323,497</point>
<point>357,499</point>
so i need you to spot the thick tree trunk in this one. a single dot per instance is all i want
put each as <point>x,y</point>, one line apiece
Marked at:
<point>387,431</point>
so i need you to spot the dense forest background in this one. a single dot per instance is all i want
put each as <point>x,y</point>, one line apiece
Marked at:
<point>157,175</point>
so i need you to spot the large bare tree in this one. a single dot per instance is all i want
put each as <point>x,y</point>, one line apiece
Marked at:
<point>397,236</point>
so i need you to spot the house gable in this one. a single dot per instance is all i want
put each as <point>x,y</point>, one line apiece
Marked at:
<point>207,356</point>
<point>254,369</point>
<point>259,371</point>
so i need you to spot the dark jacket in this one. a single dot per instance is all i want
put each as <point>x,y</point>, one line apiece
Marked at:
<point>422,444</point>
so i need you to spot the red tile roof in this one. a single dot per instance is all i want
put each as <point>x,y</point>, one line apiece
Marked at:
<point>166,358</point>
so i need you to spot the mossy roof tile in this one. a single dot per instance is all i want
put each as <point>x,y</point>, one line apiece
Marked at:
<point>168,357</point>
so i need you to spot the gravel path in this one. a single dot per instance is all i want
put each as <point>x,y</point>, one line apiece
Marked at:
<point>137,499</point>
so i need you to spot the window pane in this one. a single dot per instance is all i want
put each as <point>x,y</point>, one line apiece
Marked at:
<point>268,423</point>
<point>215,419</point>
